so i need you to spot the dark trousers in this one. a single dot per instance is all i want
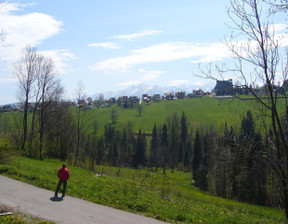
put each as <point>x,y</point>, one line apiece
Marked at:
<point>59,185</point>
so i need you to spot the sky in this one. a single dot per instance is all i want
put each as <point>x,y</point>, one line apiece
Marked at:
<point>110,45</point>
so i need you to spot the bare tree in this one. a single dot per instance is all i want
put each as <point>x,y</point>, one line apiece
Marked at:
<point>254,44</point>
<point>278,5</point>
<point>51,92</point>
<point>101,100</point>
<point>140,108</point>
<point>81,112</point>
<point>37,82</point>
<point>36,98</point>
<point>114,115</point>
<point>26,73</point>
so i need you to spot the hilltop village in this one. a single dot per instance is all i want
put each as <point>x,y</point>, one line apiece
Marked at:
<point>222,89</point>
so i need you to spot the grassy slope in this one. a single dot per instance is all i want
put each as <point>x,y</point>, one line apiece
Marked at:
<point>171,198</point>
<point>201,112</point>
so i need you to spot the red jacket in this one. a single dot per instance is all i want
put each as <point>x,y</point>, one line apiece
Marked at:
<point>63,174</point>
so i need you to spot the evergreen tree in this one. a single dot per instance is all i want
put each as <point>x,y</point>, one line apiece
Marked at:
<point>187,160</point>
<point>181,153</point>
<point>164,147</point>
<point>123,148</point>
<point>173,142</point>
<point>154,148</point>
<point>184,129</point>
<point>139,158</point>
<point>247,127</point>
<point>184,137</point>
<point>197,151</point>
<point>114,158</point>
<point>253,176</point>
<point>203,183</point>
<point>100,158</point>
<point>188,155</point>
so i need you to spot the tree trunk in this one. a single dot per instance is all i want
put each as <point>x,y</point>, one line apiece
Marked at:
<point>25,124</point>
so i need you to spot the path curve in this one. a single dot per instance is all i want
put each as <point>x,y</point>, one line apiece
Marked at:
<point>40,203</point>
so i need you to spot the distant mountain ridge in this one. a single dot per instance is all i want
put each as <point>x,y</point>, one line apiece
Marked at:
<point>138,90</point>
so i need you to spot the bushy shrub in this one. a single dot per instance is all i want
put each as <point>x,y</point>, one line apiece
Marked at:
<point>6,150</point>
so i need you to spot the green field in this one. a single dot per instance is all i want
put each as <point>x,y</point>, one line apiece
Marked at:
<point>201,113</point>
<point>172,198</point>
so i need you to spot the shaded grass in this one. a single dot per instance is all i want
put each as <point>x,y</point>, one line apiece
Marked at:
<point>171,198</point>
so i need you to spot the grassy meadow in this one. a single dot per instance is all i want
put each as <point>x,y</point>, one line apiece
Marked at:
<point>19,218</point>
<point>201,113</point>
<point>171,198</point>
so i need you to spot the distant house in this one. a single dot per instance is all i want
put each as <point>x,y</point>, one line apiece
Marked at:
<point>223,87</point>
<point>198,92</point>
<point>111,101</point>
<point>6,108</point>
<point>67,104</point>
<point>156,98</point>
<point>130,102</point>
<point>190,95</point>
<point>133,99</point>
<point>81,103</point>
<point>90,105</point>
<point>146,98</point>
<point>168,96</point>
<point>180,95</point>
<point>125,98</point>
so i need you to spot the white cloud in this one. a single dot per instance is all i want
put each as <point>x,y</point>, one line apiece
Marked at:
<point>149,75</point>
<point>174,51</point>
<point>145,76</point>
<point>177,82</point>
<point>165,52</point>
<point>134,36</point>
<point>279,27</point>
<point>8,7</point>
<point>30,29</point>
<point>59,57</point>
<point>129,83</point>
<point>20,30</point>
<point>108,45</point>
<point>7,80</point>
<point>198,84</point>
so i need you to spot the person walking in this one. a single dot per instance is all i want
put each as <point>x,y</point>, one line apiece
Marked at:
<point>63,175</point>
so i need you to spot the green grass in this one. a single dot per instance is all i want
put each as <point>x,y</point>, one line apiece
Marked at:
<point>201,112</point>
<point>171,198</point>
<point>22,219</point>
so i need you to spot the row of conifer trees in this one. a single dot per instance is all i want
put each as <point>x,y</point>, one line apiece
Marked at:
<point>229,164</point>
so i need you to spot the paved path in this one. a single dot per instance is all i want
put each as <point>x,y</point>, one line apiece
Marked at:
<point>41,203</point>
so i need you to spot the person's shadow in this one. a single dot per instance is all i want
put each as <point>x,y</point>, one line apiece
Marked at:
<point>56,199</point>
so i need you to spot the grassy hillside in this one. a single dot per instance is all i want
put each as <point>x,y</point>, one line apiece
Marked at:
<point>201,112</point>
<point>171,198</point>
